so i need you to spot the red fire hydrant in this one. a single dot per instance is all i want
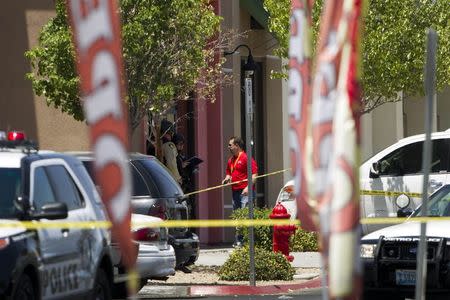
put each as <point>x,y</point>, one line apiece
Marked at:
<point>281,233</point>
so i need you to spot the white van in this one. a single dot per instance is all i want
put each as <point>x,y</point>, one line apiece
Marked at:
<point>393,179</point>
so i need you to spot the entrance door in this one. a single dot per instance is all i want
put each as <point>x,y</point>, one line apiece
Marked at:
<point>258,127</point>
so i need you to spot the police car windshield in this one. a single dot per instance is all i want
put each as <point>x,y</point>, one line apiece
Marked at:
<point>438,205</point>
<point>10,182</point>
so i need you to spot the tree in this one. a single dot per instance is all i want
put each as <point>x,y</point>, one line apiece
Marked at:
<point>169,49</point>
<point>393,44</point>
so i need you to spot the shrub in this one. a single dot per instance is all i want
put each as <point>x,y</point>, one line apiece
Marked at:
<point>262,234</point>
<point>268,266</point>
<point>303,241</point>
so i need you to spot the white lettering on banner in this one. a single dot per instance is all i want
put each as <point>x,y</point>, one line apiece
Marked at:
<point>296,160</point>
<point>105,98</point>
<point>324,93</point>
<point>96,24</point>
<point>324,105</point>
<point>120,203</point>
<point>295,94</point>
<point>296,46</point>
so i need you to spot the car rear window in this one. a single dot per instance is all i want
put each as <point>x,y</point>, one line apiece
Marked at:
<point>167,186</point>
<point>10,186</point>
<point>139,187</point>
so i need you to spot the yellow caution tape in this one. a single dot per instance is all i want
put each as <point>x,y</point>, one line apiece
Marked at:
<point>227,184</point>
<point>199,223</point>
<point>167,223</point>
<point>389,193</point>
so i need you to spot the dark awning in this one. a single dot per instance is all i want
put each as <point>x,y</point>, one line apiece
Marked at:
<point>256,9</point>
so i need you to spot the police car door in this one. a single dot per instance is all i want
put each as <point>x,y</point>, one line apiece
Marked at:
<point>60,247</point>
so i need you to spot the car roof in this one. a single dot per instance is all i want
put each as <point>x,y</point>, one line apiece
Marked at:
<point>11,158</point>
<point>419,137</point>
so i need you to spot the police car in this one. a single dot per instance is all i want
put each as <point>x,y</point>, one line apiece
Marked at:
<point>42,188</point>
<point>389,255</point>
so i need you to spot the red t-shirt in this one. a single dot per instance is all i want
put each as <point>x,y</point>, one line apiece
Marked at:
<point>237,168</point>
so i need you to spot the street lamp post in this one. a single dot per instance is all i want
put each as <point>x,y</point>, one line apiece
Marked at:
<point>249,70</point>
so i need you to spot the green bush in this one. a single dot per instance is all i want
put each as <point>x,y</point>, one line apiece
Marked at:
<point>262,234</point>
<point>303,241</point>
<point>268,266</point>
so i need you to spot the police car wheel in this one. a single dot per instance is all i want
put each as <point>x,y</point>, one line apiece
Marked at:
<point>24,289</point>
<point>102,289</point>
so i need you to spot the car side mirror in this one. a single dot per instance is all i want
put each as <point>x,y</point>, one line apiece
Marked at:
<point>52,211</point>
<point>22,204</point>
<point>404,212</point>
<point>180,198</point>
<point>374,170</point>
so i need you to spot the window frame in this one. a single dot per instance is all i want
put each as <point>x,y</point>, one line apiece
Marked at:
<point>56,161</point>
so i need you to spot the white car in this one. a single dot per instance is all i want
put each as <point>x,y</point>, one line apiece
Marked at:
<point>389,255</point>
<point>392,179</point>
<point>156,258</point>
<point>287,198</point>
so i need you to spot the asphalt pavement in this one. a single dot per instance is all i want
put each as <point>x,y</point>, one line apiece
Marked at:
<point>309,281</point>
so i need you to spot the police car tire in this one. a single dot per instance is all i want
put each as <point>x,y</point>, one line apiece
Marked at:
<point>24,289</point>
<point>102,288</point>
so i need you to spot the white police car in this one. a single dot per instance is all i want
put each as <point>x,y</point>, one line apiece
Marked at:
<point>50,263</point>
<point>389,255</point>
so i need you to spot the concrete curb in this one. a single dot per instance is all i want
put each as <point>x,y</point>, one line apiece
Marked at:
<point>211,290</point>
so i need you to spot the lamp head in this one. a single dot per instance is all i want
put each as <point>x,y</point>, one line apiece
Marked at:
<point>250,65</point>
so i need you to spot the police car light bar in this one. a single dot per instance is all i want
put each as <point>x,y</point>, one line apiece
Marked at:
<point>16,140</point>
<point>16,136</point>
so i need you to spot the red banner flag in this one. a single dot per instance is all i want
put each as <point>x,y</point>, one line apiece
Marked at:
<point>344,259</point>
<point>323,109</point>
<point>335,120</point>
<point>96,36</point>
<point>299,109</point>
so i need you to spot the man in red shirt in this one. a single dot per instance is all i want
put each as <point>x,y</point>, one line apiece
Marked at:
<point>236,172</point>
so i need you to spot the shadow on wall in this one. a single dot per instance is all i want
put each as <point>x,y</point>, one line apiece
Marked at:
<point>17,107</point>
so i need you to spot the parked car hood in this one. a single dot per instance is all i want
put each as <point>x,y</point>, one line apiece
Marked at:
<point>411,229</point>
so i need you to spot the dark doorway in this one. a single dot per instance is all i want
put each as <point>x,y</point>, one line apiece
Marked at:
<point>258,149</point>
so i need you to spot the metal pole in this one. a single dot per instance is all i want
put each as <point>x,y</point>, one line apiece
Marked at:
<point>430,79</point>
<point>248,138</point>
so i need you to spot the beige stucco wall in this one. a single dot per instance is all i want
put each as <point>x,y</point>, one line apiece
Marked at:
<point>393,121</point>
<point>385,126</point>
<point>443,109</point>
<point>20,108</point>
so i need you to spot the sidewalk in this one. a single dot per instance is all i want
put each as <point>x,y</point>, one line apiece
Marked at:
<point>203,281</point>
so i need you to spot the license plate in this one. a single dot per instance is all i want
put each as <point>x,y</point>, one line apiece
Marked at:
<point>405,277</point>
